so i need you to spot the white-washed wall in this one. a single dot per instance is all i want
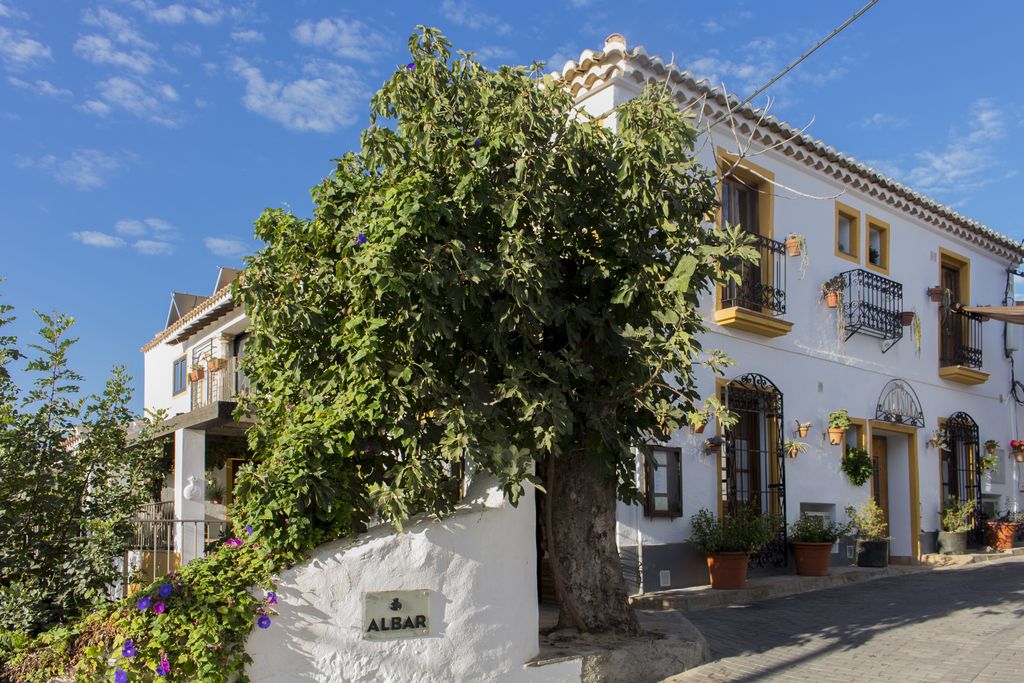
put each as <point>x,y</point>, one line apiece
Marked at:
<point>480,566</point>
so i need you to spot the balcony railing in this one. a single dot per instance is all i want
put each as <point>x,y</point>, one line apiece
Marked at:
<point>960,339</point>
<point>226,383</point>
<point>762,286</point>
<point>871,306</point>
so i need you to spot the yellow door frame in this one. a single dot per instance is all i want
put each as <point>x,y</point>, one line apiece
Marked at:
<point>915,489</point>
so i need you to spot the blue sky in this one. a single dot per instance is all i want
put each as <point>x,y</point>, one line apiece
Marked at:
<point>139,139</point>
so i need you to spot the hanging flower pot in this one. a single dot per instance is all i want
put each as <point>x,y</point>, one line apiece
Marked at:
<point>216,364</point>
<point>991,445</point>
<point>802,428</point>
<point>832,299</point>
<point>1019,456</point>
<point>793,246</point>
<point>835,435</point>
<point>935,294</point>
<point>699,427</point>
<point>196,374</point>
<point>907,318</point>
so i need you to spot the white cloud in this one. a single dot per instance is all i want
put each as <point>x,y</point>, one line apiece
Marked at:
<point>149,102</point>
<point>563,54</point>
<point>247,36</point>
<point>177,13</point>
<point>188,49</point>
<point>153,247</point>
<point>580,3</point>
<point>130,227</point>
<point>100,50</point>
<point>18,50</point>
<point>120,29</point>
<point>225,246</point>
<point>712,25</point>
<point>968,160</point>
<point>85,169</point>
<point>463,13</point>
<point>93,238</point>
<point>11,12</point>
<point>172,14</point>
<point>351,39</point>
<point>882,120</point>
<point>161,227</point>
<point>321,103</point>
<point>40,87</point>
<point>493,53</point>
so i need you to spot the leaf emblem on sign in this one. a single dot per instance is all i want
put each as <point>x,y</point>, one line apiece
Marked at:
<point>396,605</point>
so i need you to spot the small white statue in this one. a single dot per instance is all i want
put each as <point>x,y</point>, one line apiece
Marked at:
<point>191,491</point>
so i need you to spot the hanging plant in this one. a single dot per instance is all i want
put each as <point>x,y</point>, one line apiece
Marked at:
<point>794,448</point>
<point>991,445</point>
<point>857,466</point>
<point>915,326</point>
<point>939,439</point>
<point>797,246</point>
<point>838,423</point>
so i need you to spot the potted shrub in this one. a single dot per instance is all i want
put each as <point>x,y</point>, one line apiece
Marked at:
<point>955,521</point>
<point>812,537</point>
<point>857,466</point>
<point>991,445</point>
<point>832,291</point>
<point>988,462</point>
<point>794,448</point>
<point>1001,532</point>
<point>727,542</point>
<point>871,533</point>
<point>838,422</point>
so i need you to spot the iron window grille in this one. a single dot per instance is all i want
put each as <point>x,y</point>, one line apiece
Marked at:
<point>872,305</point>
<point>762,285</point>
<point>960,339</point>
<point>961,468</point>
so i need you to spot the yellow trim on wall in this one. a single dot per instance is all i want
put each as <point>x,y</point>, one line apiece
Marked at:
<point>882,228</point>
<point>720,383</point>
<point>862,435</point>
<point>755,176</point>
<point>915,493</point>
<point>947,256</point>
<point>752,321</point>
<point>854,216</point>
<point>963,375</point>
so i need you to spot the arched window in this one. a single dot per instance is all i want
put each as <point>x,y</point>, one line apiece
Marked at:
<point>753,467</point>
<point>960,464</point>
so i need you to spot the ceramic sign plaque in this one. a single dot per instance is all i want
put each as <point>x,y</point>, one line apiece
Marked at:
<point>396,614</point>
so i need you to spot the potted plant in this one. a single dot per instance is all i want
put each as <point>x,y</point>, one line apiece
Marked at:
<point>796,244</point>
<point>197,373</point>
<point>935,294</point>
<point>955,521</point>
<point>915,327</point>
<point>838,422</point>
<point>1001,532</point>
<point>699,419</point>
<point>871,533</point>
<point>1017,448</point>
<point>907,318</point>
<point>857,466</point>
<point>988,462</point>
<point>214,491</point>
<point>727,542</point>
<point>832,291</point>
<point>939,439</point>
<point>215,364</point>
<point>794,448</point>
<point>812,537</point>
<point>991,445</point>
<point>802,428</point>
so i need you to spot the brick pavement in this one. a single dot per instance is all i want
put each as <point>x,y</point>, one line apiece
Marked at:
<point>954,625</point>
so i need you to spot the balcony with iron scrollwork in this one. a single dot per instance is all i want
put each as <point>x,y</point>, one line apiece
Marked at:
<point>960,346</point>
<point>871,305</point>
<point>757,302</point>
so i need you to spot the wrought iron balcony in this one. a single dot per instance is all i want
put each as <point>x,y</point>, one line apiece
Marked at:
<point>960,339</point>
<point>224,382</point>
<point>871,305</point>
<point>762,286</point>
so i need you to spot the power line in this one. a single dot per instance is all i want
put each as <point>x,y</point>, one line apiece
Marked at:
<point>802,57</point>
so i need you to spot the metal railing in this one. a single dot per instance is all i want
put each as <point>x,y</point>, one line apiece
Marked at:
<point>960,339</point>
<point>161,545</point>
<point>872,305</point>
<point>762,285</point>
<point>226,383</point>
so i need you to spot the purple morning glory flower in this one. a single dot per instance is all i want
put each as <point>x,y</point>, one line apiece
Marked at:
<point>160,671</point>
<point>263,621</point>
<point>142,604</point>
<point>248,528</point>
<point>289,406</point>
<point>361,238</point>
<point>128,649</point>
<point>159,608</point>
<point>411,66</point>
<point>233,543</point>
<point>165,590</point>
<point>120,676</point>
<point>478,143</point>
<point>271,598</point>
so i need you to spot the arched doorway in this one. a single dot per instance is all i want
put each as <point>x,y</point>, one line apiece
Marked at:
<point>753,467</point>
<point>960,466</point>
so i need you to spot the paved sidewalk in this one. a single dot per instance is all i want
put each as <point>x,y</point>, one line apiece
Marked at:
<point>960,625</point>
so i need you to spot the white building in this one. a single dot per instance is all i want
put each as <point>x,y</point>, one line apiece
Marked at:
<point>794,363</point>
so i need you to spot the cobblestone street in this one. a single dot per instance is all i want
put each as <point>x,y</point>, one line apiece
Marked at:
<point>958,625</point>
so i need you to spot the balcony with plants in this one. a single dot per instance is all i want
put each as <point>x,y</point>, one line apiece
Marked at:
<point>868,304</point>
<point>758,301</point>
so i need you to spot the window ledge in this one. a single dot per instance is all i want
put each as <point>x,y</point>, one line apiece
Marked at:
<point>751,321</point>
<point>963,375</point>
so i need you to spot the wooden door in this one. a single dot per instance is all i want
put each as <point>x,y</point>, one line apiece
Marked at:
<point>880,474</point>
<point>948,333</point>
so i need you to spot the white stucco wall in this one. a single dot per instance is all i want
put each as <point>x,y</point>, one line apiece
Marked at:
<point>480,566</point>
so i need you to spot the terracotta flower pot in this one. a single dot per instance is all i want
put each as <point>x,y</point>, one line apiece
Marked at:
<point>935,294</point>
<point>196,374</point>
<point>835,435</point>
<point>699,429</point>
<point>728,570</point>
<point>1019,456</point>
<point>793,246</point>
<point>832,299</point>
<point>803,429</point>
<point>811,558</point>
<point>990,449</point>
<point>907,318</point>
<point>1000,535</point>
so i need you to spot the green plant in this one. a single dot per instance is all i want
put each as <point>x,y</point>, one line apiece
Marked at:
<point>939,439</point>
<point>989,462</point>
<point>839,419</point>
<point>956,515</point>
<point>857,466</point>
<point>916,328</point>
<point>747,530</point>
<point>834,285</point>
<point>794,448</point>
<point>805,255</point>
<point>868,522</point>
<point>816,529</point>
<point>713,408</point>
<point>991,445</point>
<point>214,490</point>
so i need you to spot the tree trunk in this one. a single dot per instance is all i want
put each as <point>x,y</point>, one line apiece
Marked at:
<point>589,582</point>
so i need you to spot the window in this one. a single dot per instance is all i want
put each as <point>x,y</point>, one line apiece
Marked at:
<point>878,245</point>
<point>179,375</point>
<point>847,233</point>
<point>663,483</point>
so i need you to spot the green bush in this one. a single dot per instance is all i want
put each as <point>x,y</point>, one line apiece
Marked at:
<point>815,529</point>
<point>956,515</point>
<point>749,530</point>
<point>868,522</point>
<point>857,466</point>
